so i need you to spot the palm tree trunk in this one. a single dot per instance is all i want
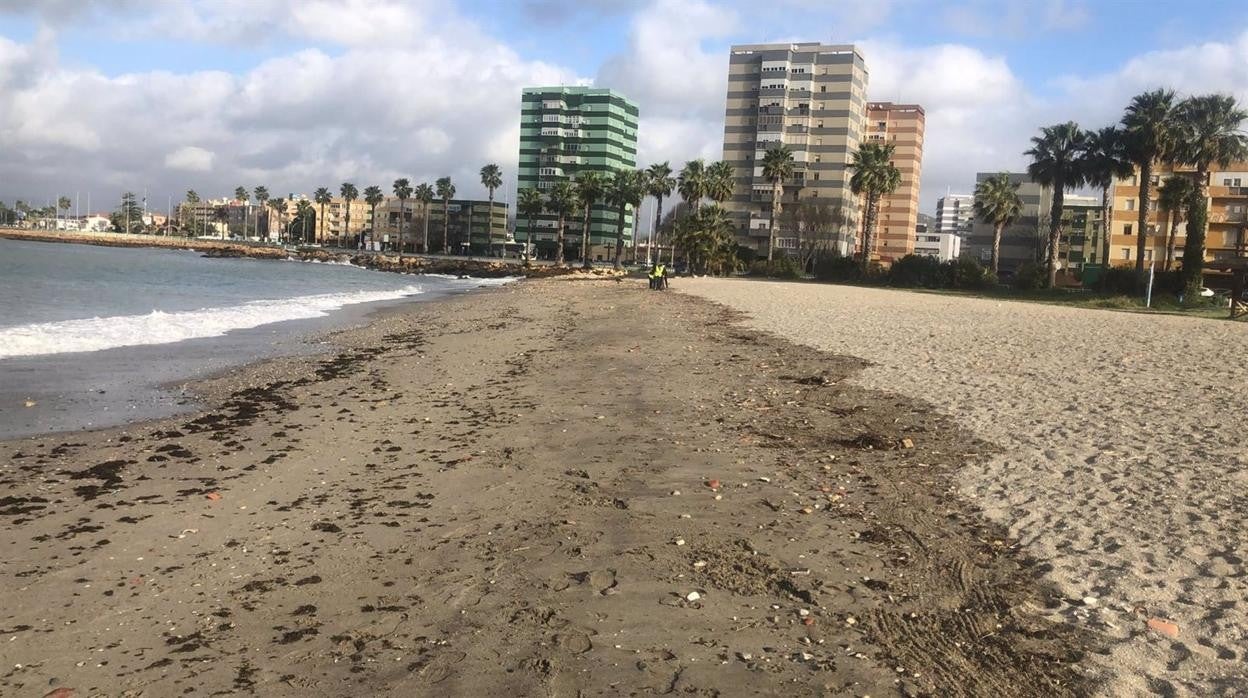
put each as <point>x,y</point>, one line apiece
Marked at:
<point>1105,228</point>
<point>654,234</point>
<point>775,215</point>
<point>619,238</point>
<point>528,244</point>
<point>1194,246</point>
<point>1170,219</point>
<point>559,242</point>
<point>424,206</point>
<point>868,229</point>
<point>320,238</point>
<point>489,226</point>
<point>997,229</point>
<point>1055,229</point>
<point>585,263</point>
<point>1146,174</point>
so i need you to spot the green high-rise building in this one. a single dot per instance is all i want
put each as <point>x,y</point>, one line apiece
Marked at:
<point>565,131</point>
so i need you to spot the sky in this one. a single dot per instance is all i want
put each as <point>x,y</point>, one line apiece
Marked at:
<point>162,96</point>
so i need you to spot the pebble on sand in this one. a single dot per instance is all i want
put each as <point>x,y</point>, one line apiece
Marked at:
<point>1164,627</point>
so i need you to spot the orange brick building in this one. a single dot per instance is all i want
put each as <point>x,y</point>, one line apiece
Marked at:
<point>902,126</point>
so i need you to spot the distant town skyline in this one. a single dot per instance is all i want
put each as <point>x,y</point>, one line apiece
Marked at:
<point>104,96</point>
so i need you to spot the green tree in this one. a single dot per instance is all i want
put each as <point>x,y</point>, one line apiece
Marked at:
<point>705,237</point>
<point>129,216</point>
<point>192,198</point>
<point>221,215</point>
<point>279,210</point>
<point>998,204</point>
<point>446,192</point>
<point>62,204</point>
<point>777,167</point>
<point>240,193</point>
<point>322,196</point>
<point>1209,133</point>
<point>625,189</point>
<point>529,203</point>
<point>591,186</point>
<point>424,194</point>
<point>1173,197</point>
<point>659,183</point>
<point>262,198</point>
<point>349,193</point>
<point>373,197</point>
<point>305,217</point>
<point>402,191</point>
<point>1104,160</point>
<point>1149,125</point>
<point>720,177</point>
<point>691,183</point>
<point>491,179</point>
<point>561,202</point>
<point>1056,161</point>
<point>874,176</point>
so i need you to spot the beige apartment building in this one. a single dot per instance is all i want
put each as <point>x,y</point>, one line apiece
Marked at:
<point>812,98</point>
<point>1227,234</point>
<point>900,125</point>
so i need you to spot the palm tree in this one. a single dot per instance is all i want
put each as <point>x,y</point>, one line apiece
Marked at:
<point>279,209</point>
<point>402,192</point>
<point>1209,133</point>
<point>220,214</point>
<point>719,181</point>
<point>62,204</point>
<point>1173,197</point>
<point>240,193</point>
<point>659,184</point>
<point>591,186</point>
<point>691,183</point>
<point>777,167</point>
<point>446,192</point>
<point>322,196</point>
<point>303,210</point>
<point>1149,127</point>
<point>349,193</point>
<point>1105,160</point>
<point>562,202</point>
<point>262,196</point>
<point>491,179</point>
<point>1056,162</point>
<point>998,204</point>
<point>875,176</point>
<point>424,194</point>
<point>373,197</point>
<point>529,203</point>
<point>626,188</point>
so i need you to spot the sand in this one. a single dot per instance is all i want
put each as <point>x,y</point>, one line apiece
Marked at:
<point>547,489</point>
<point>1123,452</point>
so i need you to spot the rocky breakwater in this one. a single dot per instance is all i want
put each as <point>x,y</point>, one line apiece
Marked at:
<point>412,264</point>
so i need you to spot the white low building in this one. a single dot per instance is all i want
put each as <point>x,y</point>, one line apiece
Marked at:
<point>942,246</point>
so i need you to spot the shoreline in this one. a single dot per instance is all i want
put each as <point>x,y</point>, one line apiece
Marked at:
<point>368,552</point>
<point>388,262</point>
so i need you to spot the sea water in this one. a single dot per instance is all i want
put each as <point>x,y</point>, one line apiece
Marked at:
<point>91,336</point>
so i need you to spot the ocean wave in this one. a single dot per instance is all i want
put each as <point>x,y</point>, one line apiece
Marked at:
<point>157,327</point>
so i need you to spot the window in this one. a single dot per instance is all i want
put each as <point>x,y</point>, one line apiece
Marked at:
<point>1126,229</point>
<point>1126,253</point>
<point>1130,205</point>
<point>1148,255</point>
<point>816,176</point>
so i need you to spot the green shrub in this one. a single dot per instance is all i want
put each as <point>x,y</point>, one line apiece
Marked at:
<point>835,267</point>
<point>778,268</point>
<point>1028,277</point>
<point>1118,281</point>
<point>914,271</point>
<point>968,275</point>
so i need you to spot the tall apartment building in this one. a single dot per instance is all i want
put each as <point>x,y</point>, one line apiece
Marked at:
<point>1081,232</point>
<point>565,131</point>
<point>1227,233</point>
<point>900,125</point>
<point>1023,241</point>
<point>810,97</point>
<point>955,213</point>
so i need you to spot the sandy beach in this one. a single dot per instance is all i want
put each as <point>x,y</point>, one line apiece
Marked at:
<point>551,488</point>
<point>1120,464</point>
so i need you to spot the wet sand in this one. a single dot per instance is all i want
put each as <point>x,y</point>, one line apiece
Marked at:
<point>552,488</point>
<point>1121,460</point>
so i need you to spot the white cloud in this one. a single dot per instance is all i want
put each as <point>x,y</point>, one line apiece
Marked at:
<point>190,159</point>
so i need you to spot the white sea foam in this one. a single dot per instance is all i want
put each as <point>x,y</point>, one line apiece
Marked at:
<point>94,334</point>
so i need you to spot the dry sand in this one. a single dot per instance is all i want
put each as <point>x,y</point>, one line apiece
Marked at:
<point>547,489</point>
<point>1123,460</point>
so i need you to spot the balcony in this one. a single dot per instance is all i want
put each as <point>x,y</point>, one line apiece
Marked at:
<point>771,109</point>
<point>1228,217</point>
<point>551,133</point>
